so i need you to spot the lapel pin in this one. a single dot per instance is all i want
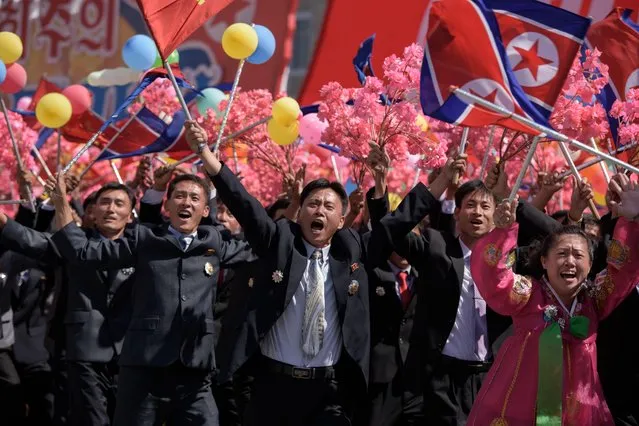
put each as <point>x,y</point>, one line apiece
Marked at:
<point>128,271</point>
<point>380,291</point>
<point>277,276</point>
<point>353,288</point>
<point>250,282</point>
<point>208,269</point>
<point>354,267</point>
<point>210,252</point>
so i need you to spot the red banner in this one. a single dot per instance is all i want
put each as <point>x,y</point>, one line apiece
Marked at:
<point>348,23</point>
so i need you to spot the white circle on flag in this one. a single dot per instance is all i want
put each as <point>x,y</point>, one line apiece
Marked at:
<point>632,82</point>
<point>540,55</point>
<point>490,90</point>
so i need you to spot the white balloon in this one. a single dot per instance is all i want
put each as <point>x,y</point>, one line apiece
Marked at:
<point>113,77</point>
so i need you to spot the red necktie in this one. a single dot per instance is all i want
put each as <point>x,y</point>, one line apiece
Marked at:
<point>404,292</point>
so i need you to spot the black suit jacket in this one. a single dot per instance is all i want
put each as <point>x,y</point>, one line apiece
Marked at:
<point>391,324</point>
<point>97,303</point>
<point>173,289</point>
<point>280,248</point>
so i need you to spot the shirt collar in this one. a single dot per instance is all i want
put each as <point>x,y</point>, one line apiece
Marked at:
<point>397,270</point>
<point>177,234</point>
<point>465,249</point>
<point>310,249</point>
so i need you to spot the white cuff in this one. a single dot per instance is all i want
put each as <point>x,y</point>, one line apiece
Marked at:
<point>152,196</point>
<point>448,206</point>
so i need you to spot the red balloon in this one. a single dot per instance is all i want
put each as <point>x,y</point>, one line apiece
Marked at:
<point>16,79</point>
<point>80,98</point>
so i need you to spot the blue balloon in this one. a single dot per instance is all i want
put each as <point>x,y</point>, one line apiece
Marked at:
<point>139,52</point>
<point>265,46</point>
<point>211,100</point>
<point>3,71</point>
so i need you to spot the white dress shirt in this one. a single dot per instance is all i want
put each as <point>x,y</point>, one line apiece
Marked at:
<point>283,342</point>
<point>461,342</point>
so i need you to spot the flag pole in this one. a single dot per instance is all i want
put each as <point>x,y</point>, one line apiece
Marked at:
<point>489,148</point>
<point>226,138</point>
<point>575,172</point>
<point>80,153</point>
<point>614,166</point>
<point>589,163</point>
<point>462,150</point>
<point>59,153</point>
<point>541,128</point>
<point>118,133</point>
<point>524,167</point>
<point>178,91</point>
<point>9,202</point>
<point>604,168</point>
<point>116,172</point>
<point>16,152</point>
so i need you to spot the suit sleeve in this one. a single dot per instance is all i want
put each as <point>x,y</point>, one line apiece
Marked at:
<point>534,224</point>
<point>504,291</point>
<point>612,285</point>
<point>259,228</point>
<point>377,207</point>
<point>99,253</point>
<point>394,230</point>
<point>29,242</point>
<point>234,252</point>
<point>151,213</point>
<point>25,216</point>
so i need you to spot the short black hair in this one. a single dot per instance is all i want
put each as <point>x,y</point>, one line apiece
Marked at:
<point>204,183</point>
<point>470,187</point>
<point>90,200</point>
<point>540,249</point>
<point>115,186</point>
<point>560,215</point>
<point>279,204</point>
<point>322,183</point>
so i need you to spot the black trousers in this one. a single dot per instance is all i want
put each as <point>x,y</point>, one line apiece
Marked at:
<point>175,395</point>
<point>36,382</point>
<point>450,391</point>
<point>92,390</point>
<point>620,390</point>
<point>279,400</point>
<point>390,404</point>
<point>12,408</point>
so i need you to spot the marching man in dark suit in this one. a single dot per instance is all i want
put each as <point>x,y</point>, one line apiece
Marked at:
<point>307,320</point>
<point>97,304</point>
<point>167,354</point>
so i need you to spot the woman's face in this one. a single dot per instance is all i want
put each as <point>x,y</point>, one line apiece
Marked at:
<point>567,263</point>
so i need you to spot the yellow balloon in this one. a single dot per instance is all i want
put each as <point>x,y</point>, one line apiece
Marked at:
<point>283,135</point>
<point>53,110</point>
<point>286,111</point>
<point>239,41</point>
<point>10,47</point>
<point>422,123</point>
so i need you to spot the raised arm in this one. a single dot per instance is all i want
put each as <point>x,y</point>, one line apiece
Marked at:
<point>504,291</point>
<point>27,241</point>
<point>621,275</point>
<point>258,227</point>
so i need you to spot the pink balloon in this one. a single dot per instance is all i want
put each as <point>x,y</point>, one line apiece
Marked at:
<point>24,102</point>
<point>80,98</point>
<point>16,79</point>
<point>311,129</point>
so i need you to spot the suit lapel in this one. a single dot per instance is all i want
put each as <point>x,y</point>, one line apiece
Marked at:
<point>164,232</point>
<point>298,266</point>
<point>454,251</point>
<point>341,280</point>
<point>198,240</point>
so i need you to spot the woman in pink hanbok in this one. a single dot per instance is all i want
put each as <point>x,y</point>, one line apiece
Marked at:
<point>546,373</point>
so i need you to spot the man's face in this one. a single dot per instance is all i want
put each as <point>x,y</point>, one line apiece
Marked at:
<point>475,215</point>
<point>226,219</point>
<point>186,207</point>
<point>321,216</point>
<point>112,212</point>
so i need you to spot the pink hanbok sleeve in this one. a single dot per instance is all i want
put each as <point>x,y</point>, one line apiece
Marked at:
<point>491,264</point>
<point>612,285</point>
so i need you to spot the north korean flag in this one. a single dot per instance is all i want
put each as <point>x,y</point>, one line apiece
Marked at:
<point>617,37</point>
<point>147,134</point>
<point>541,43</point>
<point>464,49</point>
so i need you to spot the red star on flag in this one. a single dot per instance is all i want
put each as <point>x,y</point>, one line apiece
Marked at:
<point>530,59</point>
